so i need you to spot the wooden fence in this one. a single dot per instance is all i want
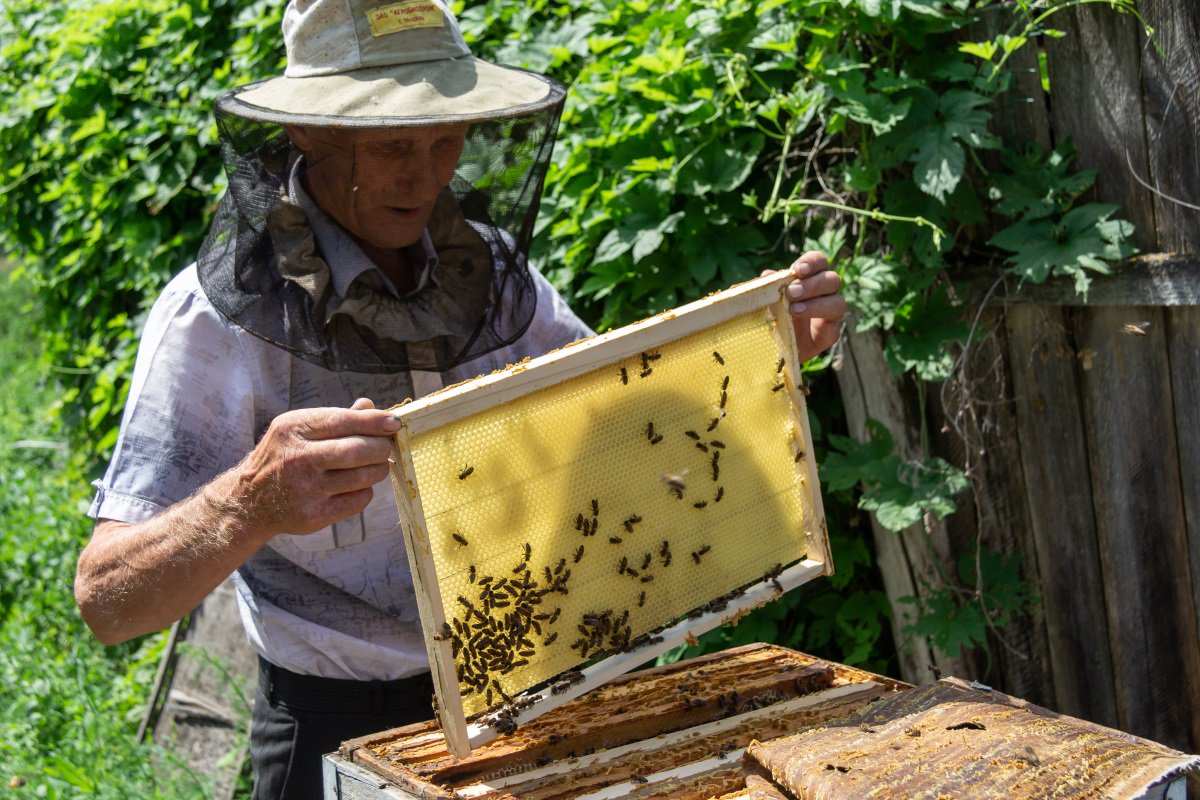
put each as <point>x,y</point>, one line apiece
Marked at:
<point>1081,433</point>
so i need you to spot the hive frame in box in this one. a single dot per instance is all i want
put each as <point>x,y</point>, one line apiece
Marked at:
<point>458,402</point>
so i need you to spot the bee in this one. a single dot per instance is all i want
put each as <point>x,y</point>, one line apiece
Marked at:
<point>519,568</point>
<point>718,359</point>
<point>646,372</point>
<point>1135,328</point>
<point>674,483</point>
<point>562,562</point>
<point>615,540</point>
<point>646,560</point>
<point>720,494</point>
<point>634,519</point>
<point>471,573</point>
<point>704,549</point>
<point>648,357</point>
<point>666,548</point>
<point>777,387</point>
<point>650,430</point>
<point>712,426</point>
<point>549,575</point>
<point>717,443</point>
<point>647,578</point>
<point>779,366</point>
<point>656,439</point>
<point>579,554</point>
<point>528,551</point>
<point>701,504</point>
<point>443,634</point>
<point>642,599</point>
<point>799,457</point>
<point>579,522</point>
<point>624,565</point>
<point>465,602</point>
<point>636,778</point>
<point>624,376</point>
<point>554,616</point>
<point>701,446</point>
<point>549,640</point>
<point>716,469</point>
<point>724,397</point>
<point>462,476</point>
<point>725,383</point>
<point>458,537</point>
<point>695,557</point>
<point>595,508</point>
<point>692,435</point>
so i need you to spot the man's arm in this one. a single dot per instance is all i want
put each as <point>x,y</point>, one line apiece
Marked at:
<point>312,468</point>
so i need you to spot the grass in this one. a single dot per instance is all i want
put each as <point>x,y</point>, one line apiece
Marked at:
<point>69,707</point>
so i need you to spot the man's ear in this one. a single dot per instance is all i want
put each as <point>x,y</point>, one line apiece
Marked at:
<point>299,136</point>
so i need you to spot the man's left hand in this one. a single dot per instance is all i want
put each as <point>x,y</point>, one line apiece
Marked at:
<point>816,305</point>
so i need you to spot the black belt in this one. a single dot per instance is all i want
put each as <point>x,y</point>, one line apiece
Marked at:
<point>331,695</point>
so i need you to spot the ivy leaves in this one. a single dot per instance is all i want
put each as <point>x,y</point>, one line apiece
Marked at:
<point>900,493</point>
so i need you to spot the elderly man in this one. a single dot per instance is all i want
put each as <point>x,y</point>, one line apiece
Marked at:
<point>372,244</point>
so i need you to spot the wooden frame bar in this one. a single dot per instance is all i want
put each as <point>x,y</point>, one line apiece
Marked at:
<point>462,400</point>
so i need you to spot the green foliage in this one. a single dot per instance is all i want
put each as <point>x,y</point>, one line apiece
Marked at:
<point>69,707</point>
<point>954,617</point>
<point>899,493</point>
<point>109,167</point>
<point>703,141</point>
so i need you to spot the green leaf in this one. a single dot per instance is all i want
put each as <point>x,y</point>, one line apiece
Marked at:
<point>1081,240</point>
<point>952,627</point>
<point>720,167</point>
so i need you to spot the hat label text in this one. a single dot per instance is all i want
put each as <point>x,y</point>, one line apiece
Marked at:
<point>404,16</point>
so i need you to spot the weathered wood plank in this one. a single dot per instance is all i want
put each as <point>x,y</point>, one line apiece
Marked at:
<point>1160,279</point>
<point>1183,337</point>
<point>1053,451</point>
<point>1096,101</point>
<point>1128,416</point>
<point>206,716</point>
<point>976,427</point>
<point>1171,91</point>
<point>911,557</point>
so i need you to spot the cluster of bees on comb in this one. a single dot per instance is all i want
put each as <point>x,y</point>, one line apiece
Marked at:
<point>513,616</point>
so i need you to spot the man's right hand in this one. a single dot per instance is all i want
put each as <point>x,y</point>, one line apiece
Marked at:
<point>314,467</point>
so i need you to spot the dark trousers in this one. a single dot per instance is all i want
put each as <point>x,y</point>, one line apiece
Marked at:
<point>299,718</point>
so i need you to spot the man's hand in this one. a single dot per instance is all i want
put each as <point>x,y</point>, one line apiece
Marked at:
<point>314,467</point>
<point>815,303</point>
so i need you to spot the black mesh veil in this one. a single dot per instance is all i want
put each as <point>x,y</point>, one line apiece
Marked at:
<point>464,286</point>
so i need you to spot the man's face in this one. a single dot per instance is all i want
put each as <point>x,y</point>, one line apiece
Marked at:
<point>378,184</point>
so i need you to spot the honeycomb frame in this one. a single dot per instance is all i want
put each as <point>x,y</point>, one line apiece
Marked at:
<point>431,434</point>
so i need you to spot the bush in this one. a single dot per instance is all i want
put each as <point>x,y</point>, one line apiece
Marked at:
<point>111,170</point>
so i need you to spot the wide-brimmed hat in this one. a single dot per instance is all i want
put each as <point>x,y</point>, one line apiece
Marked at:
<point>374,63</point>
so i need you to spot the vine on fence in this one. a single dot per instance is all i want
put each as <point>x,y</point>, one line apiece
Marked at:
<point>703,141</point>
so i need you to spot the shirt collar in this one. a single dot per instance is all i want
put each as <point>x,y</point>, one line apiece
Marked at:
<point>347,262</point>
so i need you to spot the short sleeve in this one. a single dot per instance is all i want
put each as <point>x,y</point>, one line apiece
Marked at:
<point>190,412</point>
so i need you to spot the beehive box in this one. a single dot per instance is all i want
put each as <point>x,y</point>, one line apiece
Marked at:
<point>574,516</point>
<point>671,732</point>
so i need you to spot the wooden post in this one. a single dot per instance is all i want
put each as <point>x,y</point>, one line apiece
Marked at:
<point>1171,88</point>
